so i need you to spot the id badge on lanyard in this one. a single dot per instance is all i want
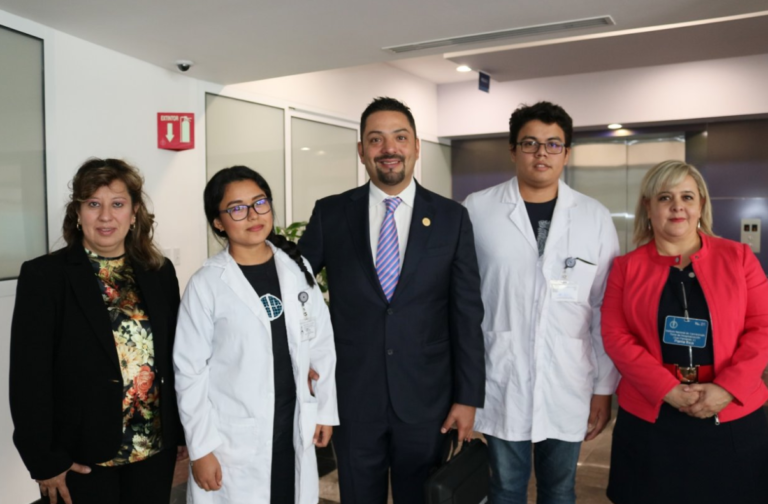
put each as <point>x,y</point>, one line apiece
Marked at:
<point>307,324</point>
<point>564,289</point>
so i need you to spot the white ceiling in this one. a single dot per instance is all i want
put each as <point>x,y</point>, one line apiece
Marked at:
<point>234,41</point>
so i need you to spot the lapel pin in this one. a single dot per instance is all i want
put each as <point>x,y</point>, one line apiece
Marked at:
<point>426,221</point>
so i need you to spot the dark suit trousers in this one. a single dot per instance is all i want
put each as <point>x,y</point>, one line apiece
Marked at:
<point>145,482</point>
<point>366,451</point>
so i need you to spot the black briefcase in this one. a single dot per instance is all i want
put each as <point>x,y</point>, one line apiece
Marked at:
<point>461,478</point>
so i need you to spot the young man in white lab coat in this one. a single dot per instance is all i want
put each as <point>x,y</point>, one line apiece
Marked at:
<point>544,252</point>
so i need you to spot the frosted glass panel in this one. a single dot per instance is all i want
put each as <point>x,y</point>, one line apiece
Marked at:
<point>244,133</point>
<point>22,152</point>
<point>324,162</point>
<point>436,168</point>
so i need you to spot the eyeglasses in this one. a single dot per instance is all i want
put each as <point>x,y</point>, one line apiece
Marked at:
<point>532,146</point>
<point>240,212</point>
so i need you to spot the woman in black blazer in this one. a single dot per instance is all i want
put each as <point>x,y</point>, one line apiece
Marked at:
<point>91,382</point>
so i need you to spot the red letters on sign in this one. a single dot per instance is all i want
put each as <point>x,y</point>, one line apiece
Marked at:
<point>175,130</point>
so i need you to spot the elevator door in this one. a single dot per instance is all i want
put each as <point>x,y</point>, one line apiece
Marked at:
<point>611,172</point>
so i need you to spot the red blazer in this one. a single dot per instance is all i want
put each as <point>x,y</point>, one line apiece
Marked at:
<point>736,290</point>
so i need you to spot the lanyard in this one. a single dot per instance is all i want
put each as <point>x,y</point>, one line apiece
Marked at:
<point>687,318</point>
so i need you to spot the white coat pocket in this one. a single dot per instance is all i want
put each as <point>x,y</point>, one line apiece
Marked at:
<point>582,275</point>
<point>242,440</point>
<point>308,415</point>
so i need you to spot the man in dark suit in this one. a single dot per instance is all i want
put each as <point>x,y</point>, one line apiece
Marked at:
<point>406,311</point>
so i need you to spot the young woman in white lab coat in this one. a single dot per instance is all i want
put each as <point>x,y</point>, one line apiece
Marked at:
<point>252,322</point>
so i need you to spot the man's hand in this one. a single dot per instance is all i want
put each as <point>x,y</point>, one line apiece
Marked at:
<point>462,418</point>
<point>53,487</point>
<point>313,376</point>
<point>323,435</point>
<point>599,415</point>
<point>207,472</point>
<point>681,397</point>
<point>712,399</point>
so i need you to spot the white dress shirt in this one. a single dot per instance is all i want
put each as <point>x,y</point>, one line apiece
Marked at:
<point>377,210</point>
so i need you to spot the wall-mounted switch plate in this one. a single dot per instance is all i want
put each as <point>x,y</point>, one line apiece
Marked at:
<point>750,233</point>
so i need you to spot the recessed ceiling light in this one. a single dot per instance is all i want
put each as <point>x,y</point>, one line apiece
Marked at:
<point>463,68</point>
<point>614,126</point>
<point>305,148</point>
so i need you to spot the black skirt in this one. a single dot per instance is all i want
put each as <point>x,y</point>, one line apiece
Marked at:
<point>682,459</point>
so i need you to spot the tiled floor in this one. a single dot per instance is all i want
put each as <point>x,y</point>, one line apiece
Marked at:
<point>591,479</point>
<point>591,474</point>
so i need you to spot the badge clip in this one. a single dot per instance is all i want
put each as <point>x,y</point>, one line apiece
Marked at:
<point>687,374</point>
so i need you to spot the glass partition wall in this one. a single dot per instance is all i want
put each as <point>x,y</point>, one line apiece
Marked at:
<point>23,225</point>
<point>244,133</point>
<point>323,162</point>
<point>304,156</point>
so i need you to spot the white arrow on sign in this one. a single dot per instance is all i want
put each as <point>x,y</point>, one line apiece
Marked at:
<point>169,136</point>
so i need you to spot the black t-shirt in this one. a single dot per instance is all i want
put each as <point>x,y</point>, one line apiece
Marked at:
<point>263,278</point>
<point>541,219</point>
<point>673,303</point>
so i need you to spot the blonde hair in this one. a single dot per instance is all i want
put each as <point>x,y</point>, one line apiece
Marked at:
<point>660,178</point>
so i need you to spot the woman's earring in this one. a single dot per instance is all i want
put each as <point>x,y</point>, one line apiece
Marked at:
<point>78,226</point>
<point>699,225</point>
<point>650,228</point>
<point>133,226</point>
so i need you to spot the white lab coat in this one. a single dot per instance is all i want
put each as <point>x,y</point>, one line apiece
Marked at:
<point>225,380</point>
<point>544,358</point>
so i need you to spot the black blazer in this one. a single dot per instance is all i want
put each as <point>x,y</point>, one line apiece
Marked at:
<point>65,381</point>
<point>424,350</point>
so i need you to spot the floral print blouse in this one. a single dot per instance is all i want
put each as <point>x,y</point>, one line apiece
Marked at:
<point>136,354</point>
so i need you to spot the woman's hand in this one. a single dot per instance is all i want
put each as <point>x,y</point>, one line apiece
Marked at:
<point>53,487</point>
<point>207,472</point>
<point>681,397</point>
<point>712,399</point>
<point>323,435</point>
<point>181,453</point>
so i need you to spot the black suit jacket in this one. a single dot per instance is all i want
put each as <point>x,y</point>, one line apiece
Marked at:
<point>424,350</point>
<point>65,381</point>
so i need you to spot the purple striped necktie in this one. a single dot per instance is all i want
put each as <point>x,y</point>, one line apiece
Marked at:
<point>388,250</point>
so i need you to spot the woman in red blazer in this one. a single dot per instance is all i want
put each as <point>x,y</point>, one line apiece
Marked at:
<point>685,320</point>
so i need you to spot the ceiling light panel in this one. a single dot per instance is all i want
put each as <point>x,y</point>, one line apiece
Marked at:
<point>524,31</point>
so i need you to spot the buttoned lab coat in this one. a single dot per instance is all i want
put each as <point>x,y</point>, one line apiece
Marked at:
<point>225,378</point>
<point>544,358</point>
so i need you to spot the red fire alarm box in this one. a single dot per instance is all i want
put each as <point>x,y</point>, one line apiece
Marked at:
<point>175,130</point>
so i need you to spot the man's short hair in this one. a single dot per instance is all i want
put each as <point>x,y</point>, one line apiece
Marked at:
<point>382,104</point>
<point>544,111</point>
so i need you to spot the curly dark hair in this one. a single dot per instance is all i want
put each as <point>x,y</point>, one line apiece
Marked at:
<point>96,173</point>
<point>544,111</point>
<point>214,193</point>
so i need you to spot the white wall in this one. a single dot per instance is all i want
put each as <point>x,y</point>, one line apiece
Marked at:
<point>102,103</point>
<point>682,92</point>
<point>345,93</point>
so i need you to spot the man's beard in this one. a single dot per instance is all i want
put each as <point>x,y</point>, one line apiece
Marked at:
<point>391,178</point>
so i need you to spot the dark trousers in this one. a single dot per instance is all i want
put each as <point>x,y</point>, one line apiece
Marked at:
<point>283,479</point>
<point>145,482</point>
<point>367,452</point>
